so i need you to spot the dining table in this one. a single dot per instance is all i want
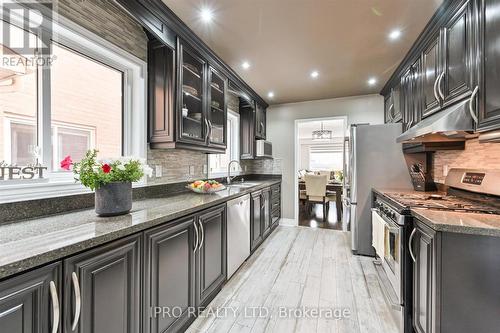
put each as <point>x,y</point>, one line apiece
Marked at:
<point>332,187</point>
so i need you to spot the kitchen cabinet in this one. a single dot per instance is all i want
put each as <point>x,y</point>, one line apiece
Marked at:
<point>275,205</point>
<point>103,287</point>
<point>217,111</point>
<point>445,281</point>
<point>260,122</point>
<point>489,64</point>
<point>247,130</point>
<point>191,116</point>
<point>161,64</point>
<point>187,100</point>
<point>410,95</point>
<point>392,105</point>
<point>266,212</point>
<point>211,254</point>
<point>260,217</point>
<point>255,220</point>
<point>424,279</point>
<point>169,273</point>
<point>430,72</point>
<point>458,55</point>
<point>30,303</point>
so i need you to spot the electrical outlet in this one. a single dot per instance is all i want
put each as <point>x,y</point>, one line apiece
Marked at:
<point>245,168</point>
<point>445,170</point>
<point>205,168</point>
<point>191,170</point>
<point>158,171</point>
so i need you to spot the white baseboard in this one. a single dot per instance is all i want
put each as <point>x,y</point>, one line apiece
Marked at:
<point>289,222</point>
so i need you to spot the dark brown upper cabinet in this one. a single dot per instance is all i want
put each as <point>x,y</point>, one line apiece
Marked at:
<point>430,75</point>
<point>247,129</point>
<point>161,64</point>
<point>411,84</point>
<point>458,50</point>
<point>393,105</point>
<point>260,122</point>
<point>187,100</point>
<point>192,119</point>
<point>217,111</point>
<point>448,61</point>
<point>489,68</point>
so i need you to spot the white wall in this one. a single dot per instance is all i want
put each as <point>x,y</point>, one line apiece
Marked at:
<point>281,130</point>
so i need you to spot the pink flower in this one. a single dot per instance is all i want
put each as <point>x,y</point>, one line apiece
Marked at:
<point>66,163</point>
<point>106,168</point>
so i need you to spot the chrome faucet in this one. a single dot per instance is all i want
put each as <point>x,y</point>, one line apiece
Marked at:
<point>229,178</point>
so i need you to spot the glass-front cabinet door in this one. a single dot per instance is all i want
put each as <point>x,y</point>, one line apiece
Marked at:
<point>217,111</point>
<point>192,125</point>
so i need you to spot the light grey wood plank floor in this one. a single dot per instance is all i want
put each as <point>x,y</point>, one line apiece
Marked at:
<point>300,268</point>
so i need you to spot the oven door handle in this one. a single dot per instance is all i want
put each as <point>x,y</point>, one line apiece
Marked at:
<point>410,245</point>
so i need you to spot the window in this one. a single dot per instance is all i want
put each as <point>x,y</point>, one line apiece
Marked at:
<point>218,162</point>
<point>91,94</point>
<point>325,159</point>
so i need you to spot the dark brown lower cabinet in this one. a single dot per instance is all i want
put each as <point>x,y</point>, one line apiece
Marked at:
<point>275,205</point>
<point>27,302</point>
<point>211,254</point>
<point>424,279</point>
<point>266,212</point>
<point>255,220</point>
<point>108,280</point>
<point>455,281</point>
<point>169,275</point>
<point>260,217</point>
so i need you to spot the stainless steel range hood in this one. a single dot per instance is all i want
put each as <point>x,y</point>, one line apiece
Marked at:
<point>451,124</point>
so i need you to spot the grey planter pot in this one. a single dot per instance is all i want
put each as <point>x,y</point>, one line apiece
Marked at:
<point>113,199</point>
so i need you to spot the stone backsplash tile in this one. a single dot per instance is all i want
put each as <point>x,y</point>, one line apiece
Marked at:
<point>107,20</point>
<point>475,156</point>
<point>263,167</point>
<point>175,165</point>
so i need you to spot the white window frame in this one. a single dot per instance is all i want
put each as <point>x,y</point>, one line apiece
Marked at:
<point>234,143</point>
<point>322,148</point>
<point>134,130</point>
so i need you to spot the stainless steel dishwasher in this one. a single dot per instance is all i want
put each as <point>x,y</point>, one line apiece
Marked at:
<point>238,233</point>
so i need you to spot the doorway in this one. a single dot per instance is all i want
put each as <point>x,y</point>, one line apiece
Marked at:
<point>319,171</point>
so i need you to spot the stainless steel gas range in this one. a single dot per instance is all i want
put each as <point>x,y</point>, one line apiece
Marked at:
<point>474,191</point>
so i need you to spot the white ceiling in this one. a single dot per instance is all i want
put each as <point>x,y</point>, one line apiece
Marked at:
<point>336,126</point>
<point>284,40</point>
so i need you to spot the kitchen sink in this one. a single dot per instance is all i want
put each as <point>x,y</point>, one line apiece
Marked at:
<point>243,185</point>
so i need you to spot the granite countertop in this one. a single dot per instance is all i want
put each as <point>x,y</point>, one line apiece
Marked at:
<point>449,221</point>
<point>459,222</point>
<point>31,243</point>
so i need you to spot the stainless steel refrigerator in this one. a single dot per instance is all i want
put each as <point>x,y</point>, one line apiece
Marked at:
<point>375,161</point>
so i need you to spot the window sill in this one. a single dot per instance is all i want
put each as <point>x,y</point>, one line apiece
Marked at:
<point>55,188</point>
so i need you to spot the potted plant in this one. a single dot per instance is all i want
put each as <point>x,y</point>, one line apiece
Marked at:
<point>111,179</point>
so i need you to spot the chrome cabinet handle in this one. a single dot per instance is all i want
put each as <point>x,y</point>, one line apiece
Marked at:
<point>439,85</point>
<point>197,238</point>
<point>202,240</point>
<point>78,300</point>
<point>472,99</point>
<point>435,88</point>
<point>410,245</point>
<point>207,127</point>
<point>55,307</point>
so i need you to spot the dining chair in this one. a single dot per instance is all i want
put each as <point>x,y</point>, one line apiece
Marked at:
<point>316,193</point>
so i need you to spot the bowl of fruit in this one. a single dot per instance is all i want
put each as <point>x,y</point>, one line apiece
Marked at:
<point>206,186</point>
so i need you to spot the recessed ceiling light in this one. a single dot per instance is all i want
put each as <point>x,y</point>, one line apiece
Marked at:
<point>206,15</point>
<point>245,65</point>
<point>270,94</point>
<point>314,74</point>
<point>395,34</point>
<point>372,81</point>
